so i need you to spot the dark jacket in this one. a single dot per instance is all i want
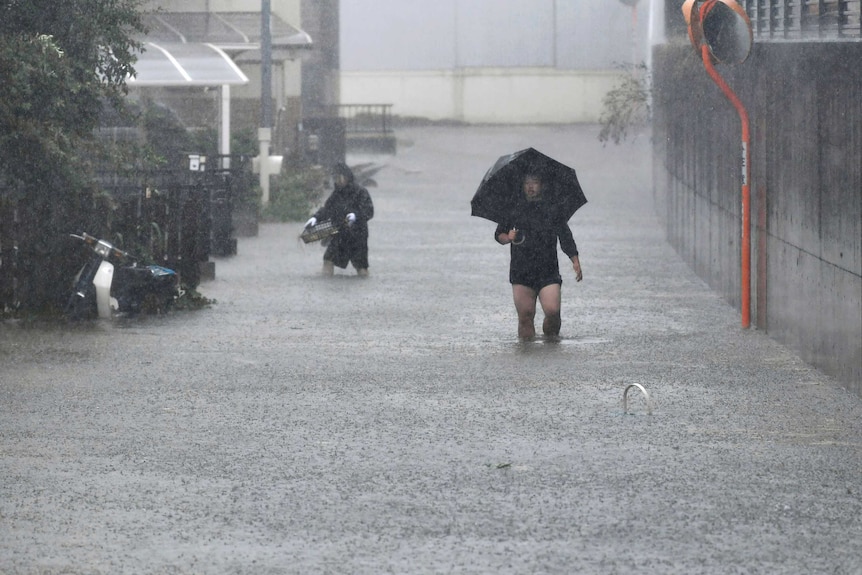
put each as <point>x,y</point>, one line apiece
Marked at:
<point>352,198</point>
<point>351,242</point>
<point>535,253</point>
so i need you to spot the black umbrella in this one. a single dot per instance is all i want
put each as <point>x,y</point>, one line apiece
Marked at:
<point>500,197</point>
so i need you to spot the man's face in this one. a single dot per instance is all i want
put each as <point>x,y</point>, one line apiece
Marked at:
<point>340,180</point>
<point>532,187</point>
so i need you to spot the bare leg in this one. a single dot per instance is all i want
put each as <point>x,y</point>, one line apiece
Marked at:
<point>525,305</point>
<point>549,298</point>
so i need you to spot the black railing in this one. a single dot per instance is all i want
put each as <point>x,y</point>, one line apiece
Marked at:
<point>805,20</point>
<point>177,218</point>
<point>364,118</point>
<point>10,224</point>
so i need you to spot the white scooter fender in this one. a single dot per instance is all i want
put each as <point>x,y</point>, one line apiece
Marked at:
<point>102,282</point>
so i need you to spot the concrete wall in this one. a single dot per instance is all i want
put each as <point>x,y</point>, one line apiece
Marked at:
<point>805,105</point>
<point>485,95</point>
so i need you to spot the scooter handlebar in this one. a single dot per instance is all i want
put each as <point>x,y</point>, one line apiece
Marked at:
<point>103,248</point>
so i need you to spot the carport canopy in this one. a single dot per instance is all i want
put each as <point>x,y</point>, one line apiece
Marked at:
<point>190,64</point>
<point>233,32</point>
<point>200,48</point>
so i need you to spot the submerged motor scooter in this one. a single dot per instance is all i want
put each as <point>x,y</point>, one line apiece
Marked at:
<point>114,281</point>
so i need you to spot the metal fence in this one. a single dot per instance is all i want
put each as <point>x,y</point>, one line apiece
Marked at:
<point>9,254</point>
<point>367,127</point>
<point>168,225</point>
<point>174,218</point>
<point>804,20</point>
<point>364,118</point>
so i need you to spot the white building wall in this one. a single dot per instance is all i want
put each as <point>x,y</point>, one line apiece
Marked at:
<point>488,95</point>
<point>449,34</point>
<point>288,10</point>
<point>489,61</point>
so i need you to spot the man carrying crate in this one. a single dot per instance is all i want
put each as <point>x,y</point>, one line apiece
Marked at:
<point>347,210</point>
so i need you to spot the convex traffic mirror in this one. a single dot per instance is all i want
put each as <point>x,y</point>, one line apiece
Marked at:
<point>723,25</point>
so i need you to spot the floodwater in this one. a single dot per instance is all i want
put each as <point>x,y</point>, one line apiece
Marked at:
<point>395,424</point>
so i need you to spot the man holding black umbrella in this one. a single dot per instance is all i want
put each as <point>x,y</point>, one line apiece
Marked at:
<point>534,270</point>
<point>531,197</point>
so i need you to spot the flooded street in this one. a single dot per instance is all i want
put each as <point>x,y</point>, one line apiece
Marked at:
<point>395,424</point>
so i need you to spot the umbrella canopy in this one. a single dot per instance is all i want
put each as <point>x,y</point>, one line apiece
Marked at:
<point>500,197</point>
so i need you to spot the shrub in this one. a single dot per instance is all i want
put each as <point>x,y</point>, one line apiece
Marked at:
<point>295,195</point>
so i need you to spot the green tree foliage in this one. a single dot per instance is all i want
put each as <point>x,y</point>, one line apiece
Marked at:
<point>626,107</point>
<point>60,61</point>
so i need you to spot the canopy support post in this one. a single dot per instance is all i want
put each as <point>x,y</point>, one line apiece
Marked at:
<point>224,126</point>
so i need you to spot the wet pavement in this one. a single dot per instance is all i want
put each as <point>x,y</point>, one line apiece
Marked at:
<point>395,424</point>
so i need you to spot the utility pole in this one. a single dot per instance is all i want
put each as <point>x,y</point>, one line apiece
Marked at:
<point>264,133</point>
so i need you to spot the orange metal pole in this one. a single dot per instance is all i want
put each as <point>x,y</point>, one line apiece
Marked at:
<point>746,190</point>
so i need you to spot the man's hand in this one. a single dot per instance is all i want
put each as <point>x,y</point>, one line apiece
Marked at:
<point>576,265</point>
